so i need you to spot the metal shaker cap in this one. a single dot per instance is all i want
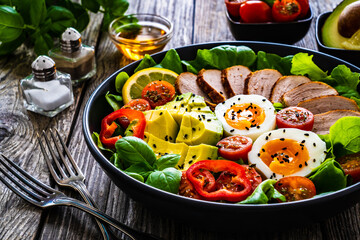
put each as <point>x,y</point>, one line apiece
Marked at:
<point>44,68</point>
<point>70,40</point>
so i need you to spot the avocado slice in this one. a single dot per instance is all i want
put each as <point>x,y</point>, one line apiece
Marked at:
<point>198,153</point>
<point>330,34</point>
<point>178,106</point>
<point>161,124</point>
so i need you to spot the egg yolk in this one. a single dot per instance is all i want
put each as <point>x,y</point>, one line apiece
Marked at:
<point>244,116</point>
<point>284,156</point>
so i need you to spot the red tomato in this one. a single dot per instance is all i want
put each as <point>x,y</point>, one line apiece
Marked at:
<point>138,104</point>
<point>186,189</point>
<point>253,176</point>
<point>234,147</point>
<point>351,165</point>
<point>295,117</point>
<point>304,4</point>
<point>285,10</point>
<point>255,12</point>
<point>233,7</point>
<point>295,188</point>
<point>158,93</point>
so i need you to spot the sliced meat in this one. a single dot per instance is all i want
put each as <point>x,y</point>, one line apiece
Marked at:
<point>262,81</point>
<point>323,121</point>
<point>328,103</point>
<point>284,84</point>
<point>210,82</point>
<point>307,91</point>
<point>186,82</point>
<point>233,79</point>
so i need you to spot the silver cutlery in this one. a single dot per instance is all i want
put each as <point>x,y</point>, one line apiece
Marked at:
<point>43,196</point>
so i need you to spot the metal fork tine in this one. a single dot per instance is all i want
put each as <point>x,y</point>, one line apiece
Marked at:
<point>47,159</point>
<point>61,170</point>
<point>74,165</point>
<point>23,180</point>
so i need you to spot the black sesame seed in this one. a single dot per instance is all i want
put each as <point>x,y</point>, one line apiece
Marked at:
<point>190,162</point>
<point>306,163</point>
<point>247,128</point>
<point>282,139</point>
<point>314,160</point>
<point>306,134</point>
<point>194,156</point>
<point>209,120</point>
<point>263,149</point>
<point>232,130</point>
<point>154,145</point>
<point>284,130</point>
<point>300,165</point>
<point>284,148</point>
<point>223,102</point>
<point>182,105</point>
<point>266,138</point>
<point>303,141</point>
<point>264,100</point>
<point>161,113</point>
<point>257,127</point>
<point>194,129</point>
<point>297,153</point>
<point>199,109</point>
<point>258,154</point>
<point>314,144</point>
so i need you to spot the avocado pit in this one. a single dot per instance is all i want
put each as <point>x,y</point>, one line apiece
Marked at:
<point>349,20</point>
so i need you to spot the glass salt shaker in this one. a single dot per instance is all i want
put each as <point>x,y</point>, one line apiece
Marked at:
<point>46,91</point>
<point>73,57</point>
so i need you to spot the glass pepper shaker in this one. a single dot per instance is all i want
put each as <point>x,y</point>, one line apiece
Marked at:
<point>73,57</point>
<point>46,91</point>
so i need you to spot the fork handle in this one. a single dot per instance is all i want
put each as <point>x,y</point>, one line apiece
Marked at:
<point>81,188</point>
<point>132,233</point>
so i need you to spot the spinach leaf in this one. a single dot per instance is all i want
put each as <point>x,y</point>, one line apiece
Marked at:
<point>345,136</point>
<point>146,62</point>
<point>167,179</point>
<point>43,43</point>
<point>115,101</point>
<point>9,47</point>
<point>274,61</point>
<point>120,80</point>
<point>61,19</point>
<point>133,150</point>
<point>91,5</point>
<point>329,176</point>
<point>302,64</point>
<point>82,16</point>
<point>264,193</point>
<point>11,24</point>
<point>96,138</point>
<point>37,12</point>
<point>221,57</point>
<point>119,7</point>
<point>141,168</point>
<point>169,160</point>
<point>135,175</point>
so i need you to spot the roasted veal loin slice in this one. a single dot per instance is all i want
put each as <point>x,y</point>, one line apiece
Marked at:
<point>285,84</point>
<point>323,121</point>
<point>186,82</point>
<point>210,82</point>
<point>233,79</point>
<point>261,82</point>
<point>307,91</point>
<point>328,103</point>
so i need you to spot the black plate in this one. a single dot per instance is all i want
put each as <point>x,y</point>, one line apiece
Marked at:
<point>351,56</point>
<point>214,214</point>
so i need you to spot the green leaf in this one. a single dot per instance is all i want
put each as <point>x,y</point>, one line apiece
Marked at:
<point>11,24</point>
<point>9,47</point>
<point>274,61</point>
<point>221,57</point>
<point>146,62</point>
<point>96,138</point>
<point>171,61</point>
<point>264,193</point>
<point>120,80</point>
<point>133,150</point>
<point>329,176</point>
<point>119,7</point>
<point>167,180</point>
<point>302,64</point>
<point>108,17</point>
<point>136,176</point>
<point>43,43</point>
<point>38,12</point>
<point>91,5</point>
<point>82,16</point>
<point>345,136</point>
<point>115,101</point>
<point>61,19</point>
<point>140,168</point>
<point>166,161</point>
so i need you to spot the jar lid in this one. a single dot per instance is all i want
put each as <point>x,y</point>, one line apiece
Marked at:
<point>70,40</point>
<point>44,68</point>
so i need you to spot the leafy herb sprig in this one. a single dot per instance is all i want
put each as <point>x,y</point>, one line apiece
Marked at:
<point>38,22</point>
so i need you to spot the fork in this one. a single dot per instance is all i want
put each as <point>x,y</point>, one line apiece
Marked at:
<point>43,196</point>
<point>71,176</point>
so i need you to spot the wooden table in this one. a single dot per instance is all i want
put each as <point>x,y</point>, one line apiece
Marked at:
<point>195,22</point>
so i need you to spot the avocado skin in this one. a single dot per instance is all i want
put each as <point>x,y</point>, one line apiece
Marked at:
<point>330,34</point>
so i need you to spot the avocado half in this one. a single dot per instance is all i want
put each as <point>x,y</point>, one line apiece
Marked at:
<point>330,34</point>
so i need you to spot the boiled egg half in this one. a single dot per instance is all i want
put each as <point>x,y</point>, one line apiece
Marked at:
<point>287,152</point>
<point>247,115</point>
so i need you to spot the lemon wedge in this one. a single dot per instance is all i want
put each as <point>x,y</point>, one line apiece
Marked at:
<point>135,84</point>
<point>352,43</point>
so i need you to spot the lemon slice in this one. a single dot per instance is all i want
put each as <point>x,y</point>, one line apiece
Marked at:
<point>135,84</point>
<point>352,43</point>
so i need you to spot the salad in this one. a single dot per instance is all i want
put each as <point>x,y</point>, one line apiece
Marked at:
<point>221,145</point>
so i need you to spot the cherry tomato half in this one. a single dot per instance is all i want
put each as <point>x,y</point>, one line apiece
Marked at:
<point>186,189</point>
<point>158,93</point>
<point>304,4</point>
<point>234,147</point>
<point>295,188</point>
<point>295,117</point>
<point>255,12</point>
<point>285,10</point>
<point>351,165</point>
<point>138,104</point>
<point>233,7</point>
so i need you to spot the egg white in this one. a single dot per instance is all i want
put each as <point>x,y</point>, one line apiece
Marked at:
<point>254,132</point>
<point>315,146</point>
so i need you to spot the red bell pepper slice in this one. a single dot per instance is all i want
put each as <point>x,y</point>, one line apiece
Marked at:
<point>237,187</point>
<point>137,123</point>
